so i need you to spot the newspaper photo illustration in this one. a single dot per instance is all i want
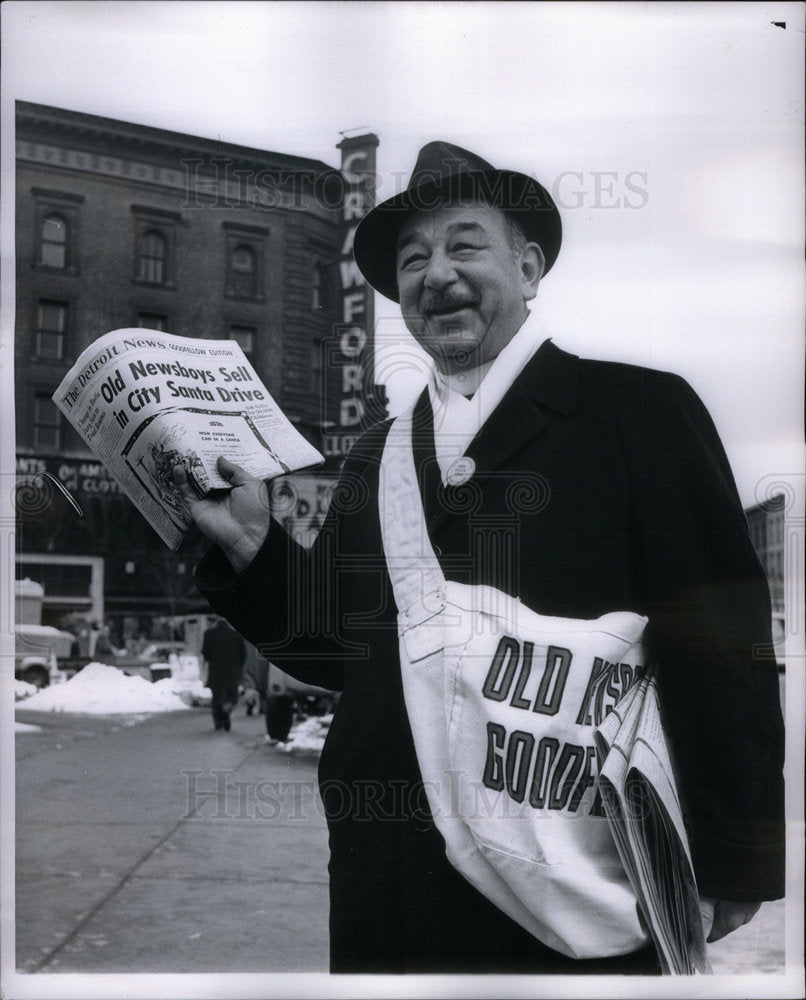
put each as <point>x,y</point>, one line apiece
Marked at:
<point>147,402</point>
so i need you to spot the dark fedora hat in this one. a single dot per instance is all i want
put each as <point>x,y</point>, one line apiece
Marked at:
<point>443,173</point>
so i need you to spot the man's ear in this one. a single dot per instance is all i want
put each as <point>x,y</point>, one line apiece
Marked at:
<point>533,264</point>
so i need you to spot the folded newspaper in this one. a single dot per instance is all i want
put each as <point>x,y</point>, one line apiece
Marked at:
<point>640,799</point>
<point>146,401</point>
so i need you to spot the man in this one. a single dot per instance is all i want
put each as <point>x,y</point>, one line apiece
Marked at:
<point>580,487</point>
<point>255,677</point>
<point>224,652</point>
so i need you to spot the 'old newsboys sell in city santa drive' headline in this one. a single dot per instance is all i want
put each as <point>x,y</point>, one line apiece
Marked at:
<point>114,383</point>
<point>147,402</point>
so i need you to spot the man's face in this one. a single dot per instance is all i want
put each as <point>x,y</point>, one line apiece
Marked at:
<point>463,288</point>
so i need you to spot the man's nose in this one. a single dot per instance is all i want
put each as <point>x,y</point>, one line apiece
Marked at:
<point>440,271</point>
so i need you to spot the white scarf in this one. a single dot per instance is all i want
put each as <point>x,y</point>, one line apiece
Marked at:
<point>457,419</point>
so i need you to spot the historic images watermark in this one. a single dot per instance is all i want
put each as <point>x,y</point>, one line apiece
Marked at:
<point>524,789</point>
<point>223,183</point>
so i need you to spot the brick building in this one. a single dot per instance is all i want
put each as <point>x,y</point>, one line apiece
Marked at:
<point>124,225</point>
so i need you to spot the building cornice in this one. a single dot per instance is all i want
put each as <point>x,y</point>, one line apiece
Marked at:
<point>208,174</point>
<point>93,131</point>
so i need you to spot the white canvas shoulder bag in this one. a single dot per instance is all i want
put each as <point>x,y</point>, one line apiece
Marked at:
<point>503,703</point>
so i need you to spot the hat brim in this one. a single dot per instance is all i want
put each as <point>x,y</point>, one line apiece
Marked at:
<point>519,196</point>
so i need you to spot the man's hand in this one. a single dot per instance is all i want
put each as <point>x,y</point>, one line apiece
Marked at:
<point>236,520</point>
<point>729,916</point>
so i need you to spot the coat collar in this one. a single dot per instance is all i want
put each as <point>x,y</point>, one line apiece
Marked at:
<point>549,382</point>
<point>547,388</point>
<point>554,375</point>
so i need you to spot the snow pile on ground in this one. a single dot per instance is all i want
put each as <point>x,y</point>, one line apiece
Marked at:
<point>22,689</point>
<point>102,690</point>
<point>308,735</point>
<point>24,727</point>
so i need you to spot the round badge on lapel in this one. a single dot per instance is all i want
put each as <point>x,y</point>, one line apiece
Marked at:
<point>460,471</point>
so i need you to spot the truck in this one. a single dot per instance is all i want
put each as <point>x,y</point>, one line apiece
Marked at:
<point>38,651</point>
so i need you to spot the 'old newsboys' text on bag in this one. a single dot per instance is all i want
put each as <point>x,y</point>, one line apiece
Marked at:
<point>503,703</point>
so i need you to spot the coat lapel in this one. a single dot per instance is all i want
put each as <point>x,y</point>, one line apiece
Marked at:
<point>545,389</point>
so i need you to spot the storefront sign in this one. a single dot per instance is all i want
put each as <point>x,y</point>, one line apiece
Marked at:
<point>79,477</point>
<point>348,357</point>
<point>300,504</point>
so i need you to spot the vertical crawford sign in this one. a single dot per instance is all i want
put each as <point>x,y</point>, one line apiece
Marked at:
<point>352,399</point>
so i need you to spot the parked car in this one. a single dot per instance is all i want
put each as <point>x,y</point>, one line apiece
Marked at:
<point>38,653</point>
<point>160,651</point>
<point>168,659</point>
<point>307,698</point>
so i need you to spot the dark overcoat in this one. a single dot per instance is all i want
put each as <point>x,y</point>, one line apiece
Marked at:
<point>224,650</point>
<point>598,487</point>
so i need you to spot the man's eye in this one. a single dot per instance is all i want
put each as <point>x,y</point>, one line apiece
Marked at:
<point>412,261</point>
<point>463,248</point>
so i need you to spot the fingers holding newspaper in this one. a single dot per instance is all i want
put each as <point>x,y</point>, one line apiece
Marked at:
<point>730,916</point>
<point>237,519</point>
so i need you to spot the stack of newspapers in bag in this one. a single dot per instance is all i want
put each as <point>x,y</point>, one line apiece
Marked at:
<point>642,805</point>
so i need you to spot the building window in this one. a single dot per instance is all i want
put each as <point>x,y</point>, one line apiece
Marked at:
<point>153,321</point>
<point>57,215</point>
<point>320,288</point>
<point>244,337</point>
<point>51,330</point>
<point>242,273</point>
<point>53,243</point>
<point>151,254</point>
<point>155,245</point>
<point>245,261</point>
<point>47,422</point>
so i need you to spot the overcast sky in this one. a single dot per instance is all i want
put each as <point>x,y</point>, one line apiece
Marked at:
<point>671,135</point>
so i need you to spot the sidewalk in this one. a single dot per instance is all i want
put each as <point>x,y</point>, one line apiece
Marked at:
<point>166,847</point>
<point>160,846</point>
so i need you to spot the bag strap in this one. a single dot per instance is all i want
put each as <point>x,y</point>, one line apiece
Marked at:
<point>417,579</point>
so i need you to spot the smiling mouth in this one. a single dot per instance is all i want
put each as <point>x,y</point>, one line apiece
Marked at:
<point>451,310</point>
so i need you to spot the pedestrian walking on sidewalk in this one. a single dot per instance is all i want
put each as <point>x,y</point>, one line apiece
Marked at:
<point>224,652</point>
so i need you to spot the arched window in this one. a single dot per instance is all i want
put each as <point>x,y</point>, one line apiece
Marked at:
<point>151,254</point>
<point>243,272</point>
<point>53,243</point>
<point>244,261</point>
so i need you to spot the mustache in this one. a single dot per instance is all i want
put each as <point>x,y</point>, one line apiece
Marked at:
<point>445,303</point>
